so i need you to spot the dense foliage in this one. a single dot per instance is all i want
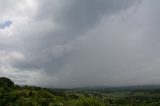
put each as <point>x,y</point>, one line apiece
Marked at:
<point>13,95</point>
<point>6,82</point>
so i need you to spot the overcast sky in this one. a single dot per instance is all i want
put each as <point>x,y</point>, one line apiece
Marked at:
<point>75,43</point>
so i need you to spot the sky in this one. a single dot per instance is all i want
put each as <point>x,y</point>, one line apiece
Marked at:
<point>76,43</point>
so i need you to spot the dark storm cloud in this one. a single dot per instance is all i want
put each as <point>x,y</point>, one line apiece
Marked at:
<point>50,50</point>
<point>70,43</point>
<point>79,16</point>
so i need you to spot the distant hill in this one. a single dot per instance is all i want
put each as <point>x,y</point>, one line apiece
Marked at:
<point>118,88</point>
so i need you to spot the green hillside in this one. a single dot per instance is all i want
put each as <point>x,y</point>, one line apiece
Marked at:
<point>14,95</point>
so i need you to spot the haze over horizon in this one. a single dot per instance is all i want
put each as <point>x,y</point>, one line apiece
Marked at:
<point>74,43</point>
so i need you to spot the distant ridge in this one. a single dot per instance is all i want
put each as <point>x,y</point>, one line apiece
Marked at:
<point>133,87</point>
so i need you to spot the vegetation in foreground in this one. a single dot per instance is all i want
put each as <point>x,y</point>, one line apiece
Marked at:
<point>14,95</point>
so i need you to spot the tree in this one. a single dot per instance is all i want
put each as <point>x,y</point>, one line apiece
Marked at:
<point>6,82</point>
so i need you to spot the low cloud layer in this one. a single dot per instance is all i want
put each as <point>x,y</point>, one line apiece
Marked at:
<point>59,43</point>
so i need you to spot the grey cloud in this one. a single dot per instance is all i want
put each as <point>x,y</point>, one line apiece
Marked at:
<point>5,4</point>
<point>74,18</point>
<point>86,42</point>
<point>153,21</point>
<point>81,15</point>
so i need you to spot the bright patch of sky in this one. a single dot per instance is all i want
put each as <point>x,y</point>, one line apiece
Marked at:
<point>5,24</point>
